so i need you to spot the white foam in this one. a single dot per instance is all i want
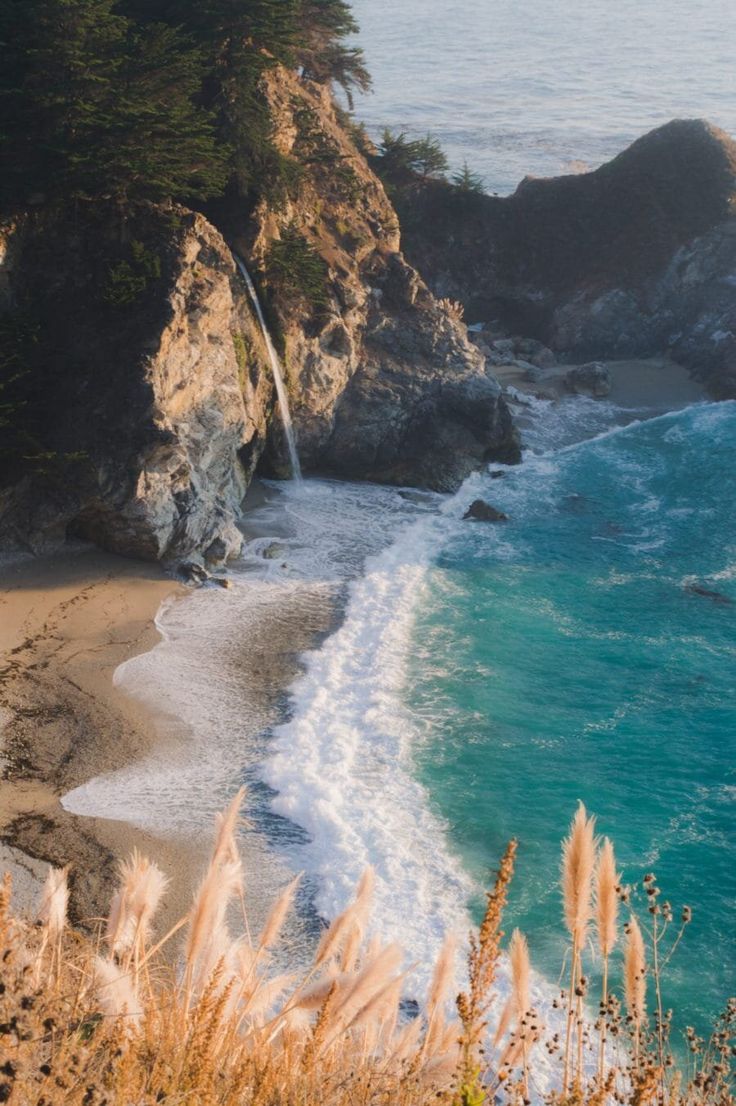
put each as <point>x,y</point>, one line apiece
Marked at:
<point>214,720</point>
<point>343,766</point>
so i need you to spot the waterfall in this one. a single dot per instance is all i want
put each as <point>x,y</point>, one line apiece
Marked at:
<point>278,376</point>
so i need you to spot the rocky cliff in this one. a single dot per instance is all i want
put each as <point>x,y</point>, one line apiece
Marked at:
<point>135,376</point>
<point>636,258</point>
<point>132,408</point>
<point>384,384</point>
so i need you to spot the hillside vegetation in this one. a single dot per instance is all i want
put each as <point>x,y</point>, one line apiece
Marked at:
<point>155,99</point>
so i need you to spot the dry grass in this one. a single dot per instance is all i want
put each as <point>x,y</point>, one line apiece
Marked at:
<point>110,1022</point>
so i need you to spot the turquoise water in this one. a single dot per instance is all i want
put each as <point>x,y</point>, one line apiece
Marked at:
<point>561,656</point>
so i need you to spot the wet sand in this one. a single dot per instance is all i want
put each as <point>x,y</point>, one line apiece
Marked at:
<point>655,383</point>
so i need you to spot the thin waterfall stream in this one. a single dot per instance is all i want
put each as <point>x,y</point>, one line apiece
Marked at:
<point>278,375</point>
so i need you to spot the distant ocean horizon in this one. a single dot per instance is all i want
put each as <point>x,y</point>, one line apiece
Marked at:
<point>539,88</point>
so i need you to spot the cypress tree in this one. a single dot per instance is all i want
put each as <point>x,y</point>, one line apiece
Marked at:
<point>323,53</point>
<point>89,107</point>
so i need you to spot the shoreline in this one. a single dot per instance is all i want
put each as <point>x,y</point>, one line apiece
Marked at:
<point>67,622</point>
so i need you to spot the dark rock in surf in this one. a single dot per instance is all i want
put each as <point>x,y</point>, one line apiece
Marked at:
<point>707,593</point>
<point>193,573</point>
<point>480,511</point>
<point>216,553</point>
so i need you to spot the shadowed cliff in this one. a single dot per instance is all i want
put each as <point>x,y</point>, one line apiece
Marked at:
<point>629,260</point>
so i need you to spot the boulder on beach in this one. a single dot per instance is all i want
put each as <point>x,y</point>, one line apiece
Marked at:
<point>593,379</point>
<point>480,511</point>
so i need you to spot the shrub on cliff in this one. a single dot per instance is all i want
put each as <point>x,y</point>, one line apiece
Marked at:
<point>296,270</point>
<point>402,159</point>
<point>111,1021</point>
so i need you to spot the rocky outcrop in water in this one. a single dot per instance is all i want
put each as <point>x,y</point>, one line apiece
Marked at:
<point>480,511</point>
<point>635,259</point>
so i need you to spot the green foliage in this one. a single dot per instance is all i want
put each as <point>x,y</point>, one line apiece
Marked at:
<point>323,54</point>
<point>19,337</point>
<point>244,355</point>
<point>402,158</point>
<point>241,352</point>
<point>315,147</point>
<point>21,375</point>
<point>151,99</point>
<point>130,277</point>
<point>429,158</point>
<point>91,107</point>
<point>472,1092</point>
<point>468,181</point>
<point>294,268</point>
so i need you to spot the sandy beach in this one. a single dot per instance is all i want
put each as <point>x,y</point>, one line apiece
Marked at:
<point>66,622</point>
<point>656,383</point>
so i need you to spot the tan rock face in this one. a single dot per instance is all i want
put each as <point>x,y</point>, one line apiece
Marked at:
<point>162,397</point>
<point>383,382</point>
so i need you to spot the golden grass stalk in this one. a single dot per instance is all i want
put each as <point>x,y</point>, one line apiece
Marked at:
<point>142,885</point>
<point>232,1030</point>
<point>354,916</point>
<point>520,972</point>
<point>208,940</point>
<point>226,848</point>
<point>52,912</point>
<point>116,992</point>
<point>277,916</point>
<point>578,864</point>
<point>607,882</point>
<point>473,1004</point>
<point>442,980</point>
<point>635,984</point>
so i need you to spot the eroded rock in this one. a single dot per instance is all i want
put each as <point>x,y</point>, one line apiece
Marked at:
<point>480,511</point>
<point>634,259</point>
<point>138,400</point>
<point>593,379</point>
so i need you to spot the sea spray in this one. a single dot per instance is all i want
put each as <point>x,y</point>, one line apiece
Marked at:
<point>278,376</point>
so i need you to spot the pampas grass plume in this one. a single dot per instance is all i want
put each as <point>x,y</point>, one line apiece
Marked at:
<point>520,972</point>
<point>277,915</point>
<point>52,911</point>
<point>606,898</point>
<point>578,863</point>
<point>115,991</point>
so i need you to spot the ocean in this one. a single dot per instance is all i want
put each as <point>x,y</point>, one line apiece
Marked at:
<point>544,88</point>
